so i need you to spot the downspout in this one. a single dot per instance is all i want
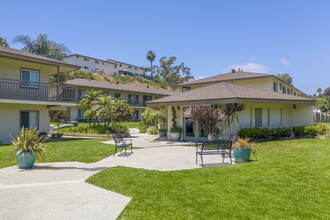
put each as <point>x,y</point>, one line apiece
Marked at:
<point>58,84</point>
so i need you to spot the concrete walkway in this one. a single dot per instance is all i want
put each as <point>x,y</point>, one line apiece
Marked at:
<point>58,190</point>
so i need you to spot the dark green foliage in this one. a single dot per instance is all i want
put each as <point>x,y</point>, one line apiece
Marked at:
<point>301,131</point>
<point>265,133</point>
<point>94,129</point>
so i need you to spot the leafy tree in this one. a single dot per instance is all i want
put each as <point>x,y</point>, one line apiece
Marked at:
<point>285,77</point>
<point>326,92</point>
<point>102,108</point>
<point>58,116</point>
<point>63,78</point>
<point>319,91</point>
<point>151,56</point>
<point>323,104</point>
<point>42,46</point>
<point>4,42</point>
<point>172,75</point>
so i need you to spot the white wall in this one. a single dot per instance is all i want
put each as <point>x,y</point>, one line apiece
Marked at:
<point>10,120</point>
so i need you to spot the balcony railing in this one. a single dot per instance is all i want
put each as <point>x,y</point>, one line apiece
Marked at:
<point>18,89</point>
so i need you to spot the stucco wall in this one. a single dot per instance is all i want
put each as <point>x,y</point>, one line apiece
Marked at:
<point>11,69</point>
<point>10,119</point>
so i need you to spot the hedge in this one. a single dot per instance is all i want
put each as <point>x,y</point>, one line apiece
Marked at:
<point>276,133</point>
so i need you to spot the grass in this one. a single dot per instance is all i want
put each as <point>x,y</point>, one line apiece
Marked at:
<point>290,181</point>
<point>82,150</point>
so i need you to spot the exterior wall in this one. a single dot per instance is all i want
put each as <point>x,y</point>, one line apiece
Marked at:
<point>11,69</point>
<point>129,68</point>
<point>290,117</point>
<point>102,66</point>
<point>10,122</point>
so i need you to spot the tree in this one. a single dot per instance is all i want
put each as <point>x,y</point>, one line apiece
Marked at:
<point>319,91</point>
<point>57,116</point>
<point>151,56</point>
<point>88,100</point>
<point>229,111</point>
<point>285,77</point>
<point>172,75</point>
<point>121,112</point>
<point>42,46</point>
<point>323,104</point>
<point>4,42</point>
<point>102,108</point>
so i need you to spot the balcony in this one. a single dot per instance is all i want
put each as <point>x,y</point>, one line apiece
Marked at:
<point>136,103</point>
<point>18,89</point>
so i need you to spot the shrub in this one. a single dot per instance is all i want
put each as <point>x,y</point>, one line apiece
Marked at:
<point>94,129</point>
<point>310,130</point>
<point>152,130</point>
<point>322,128</point>
<point>265,133</point>
<point>142,127</point>
<point>304,130</point>
<point>298,131</point>
<point>59,135</point>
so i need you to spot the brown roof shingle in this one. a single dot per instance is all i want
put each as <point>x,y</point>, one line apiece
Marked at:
<point>11,52</point>
<point>222,91</point>
<point>226,77</point>
<point>118,87</point>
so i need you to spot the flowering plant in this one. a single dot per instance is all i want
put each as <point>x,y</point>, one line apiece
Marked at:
<point>58,116</point>
<point>121,111</point>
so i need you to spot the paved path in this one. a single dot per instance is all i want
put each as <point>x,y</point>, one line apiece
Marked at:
<point>58,190</point>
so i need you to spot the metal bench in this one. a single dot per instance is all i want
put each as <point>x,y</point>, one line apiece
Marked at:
<point>121,143</point>
<point>215,147</point>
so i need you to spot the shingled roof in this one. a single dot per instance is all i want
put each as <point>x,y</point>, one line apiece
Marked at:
<point>118,87</point>
<point>24,55</point>
<point>228,93</point>
<point>226,77</point>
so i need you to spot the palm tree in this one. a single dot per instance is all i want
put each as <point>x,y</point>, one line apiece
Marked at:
<point>319,91</point>
<point>4,42</point>
<point>88,100</point>
<point>102,108</point>
<point>42,46</point>
<point>151,57</point>
<point>230,113</point>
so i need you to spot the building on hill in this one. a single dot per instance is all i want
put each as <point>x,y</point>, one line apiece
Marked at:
<point>110,67</point>
<point>25,93</point>
<point>136,96</point>
<point>269,101</point>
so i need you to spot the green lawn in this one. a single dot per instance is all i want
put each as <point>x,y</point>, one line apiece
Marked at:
<point>82,150</point>
<point>290,181</point>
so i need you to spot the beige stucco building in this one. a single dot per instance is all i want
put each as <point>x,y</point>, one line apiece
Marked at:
<point>134,95</point>
<point>25,93</point>
<point>269,101</point>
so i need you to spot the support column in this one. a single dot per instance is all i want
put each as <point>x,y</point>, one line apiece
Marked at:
<point>58,83</point>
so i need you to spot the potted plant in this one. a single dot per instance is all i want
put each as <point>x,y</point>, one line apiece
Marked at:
<point>175,131</point>
<point>29,147</point>
<point>242,150</point>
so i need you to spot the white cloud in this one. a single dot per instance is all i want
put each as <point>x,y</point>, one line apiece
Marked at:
<point>285,61</point>
<point>249,67</point>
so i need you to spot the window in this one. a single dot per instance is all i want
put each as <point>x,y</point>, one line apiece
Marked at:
<point>97,61</point>
<point>102,63</point>
<point>280,86</point>
<point>86,67</point>
<point>275,87</point>
<point>120,65</point>
<point>261,117</point>
<point>81,93</point>
<point>117,95</point>
<point>85,59</point>
<point>115,66</point>
<point>276,118</point>
<point>135,68</point>
<point>136,114</point>
<point>29,119</point>
<point>129,67</point>
<point>245,118</point>
<point>294,94</point>
<point>77,56</point>
<point>30,78</point>
<point>284,90</point>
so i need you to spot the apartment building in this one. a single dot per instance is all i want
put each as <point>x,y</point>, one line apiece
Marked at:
<point>25,93</point>
<point>269,101</point>
<point>134,95</point>
<point>109,66</point>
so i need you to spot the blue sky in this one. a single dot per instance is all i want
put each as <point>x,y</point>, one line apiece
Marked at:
<point>210,37</point>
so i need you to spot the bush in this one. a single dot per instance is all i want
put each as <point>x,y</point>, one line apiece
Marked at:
<point>298,131</point>
<point>265,133</point>
<point>152,130</point>
<point>142,127</point>
<point>310,131</point>
<point>322,128</point>
<point>94,129</point>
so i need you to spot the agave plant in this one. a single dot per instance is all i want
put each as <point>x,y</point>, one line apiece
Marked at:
<point>230,113</point>
<point>29,141</point>
<point>211,119</point>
